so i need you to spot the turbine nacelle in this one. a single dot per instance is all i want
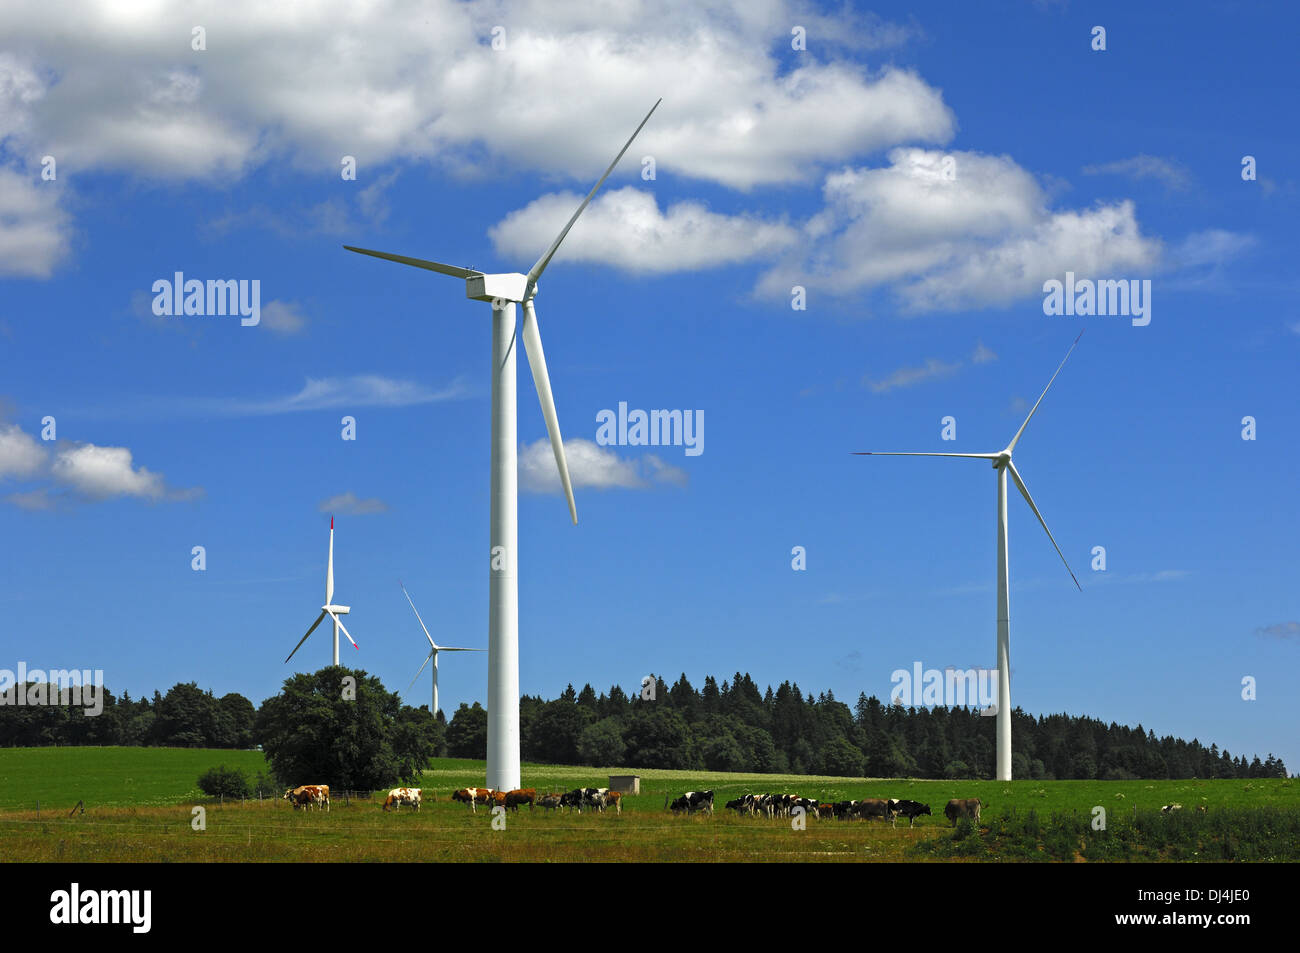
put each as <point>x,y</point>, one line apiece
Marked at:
<point>336,610</point>
<point>510,287</point>
<point>1002,460</point>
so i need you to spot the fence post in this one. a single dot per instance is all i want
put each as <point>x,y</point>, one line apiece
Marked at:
<point>38,810</point>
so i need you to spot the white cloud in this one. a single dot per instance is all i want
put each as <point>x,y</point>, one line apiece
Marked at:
<point>103,472</point>
<point>416,79</point>
<point>933,368</point>
<point>349,504</point>
<point>625,228</point>
<point>591,466</point>
<point>21,455</point>
<point>34,231</point>
<point>84,470</point>
<point>974,232</point>
<point>283,317</point>
<point>362,390</point>
<point>1172,174</point>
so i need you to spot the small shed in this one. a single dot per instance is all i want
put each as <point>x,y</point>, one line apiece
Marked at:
<point>625,783</point>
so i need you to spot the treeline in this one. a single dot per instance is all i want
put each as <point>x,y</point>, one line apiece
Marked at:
<point>186,717</point>
<point>729,727</point>
<point>736,727</point>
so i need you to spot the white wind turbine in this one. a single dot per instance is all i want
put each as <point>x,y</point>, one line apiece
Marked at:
<point>329,609</point>
<point>434,649</point>
<point>1002,463</point>
<point>503,291</point>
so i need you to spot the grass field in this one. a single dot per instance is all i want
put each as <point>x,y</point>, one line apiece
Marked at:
<point>139,807</point>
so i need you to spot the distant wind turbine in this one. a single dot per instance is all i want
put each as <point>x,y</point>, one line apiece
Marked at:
<point>434,649</point>
<point>503,292</point>
<point>1002,463</point>
<point>329,609</point>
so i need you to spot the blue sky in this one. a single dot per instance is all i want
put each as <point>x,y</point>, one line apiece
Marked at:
<point>822,168</point>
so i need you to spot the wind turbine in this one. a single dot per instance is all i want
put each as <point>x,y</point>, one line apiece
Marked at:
<point>1003,465</point>
<point>329,609</point>
<point>503,292</point>
<point>434,649</point>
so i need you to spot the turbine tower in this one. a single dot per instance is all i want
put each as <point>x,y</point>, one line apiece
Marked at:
<point>434,649</point>
<point>329,609</point>
<point>503,292</point>
<point>1003,465</point>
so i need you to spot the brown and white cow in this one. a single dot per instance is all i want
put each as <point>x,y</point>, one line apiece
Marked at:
<point>399,796</point>
<point>476,796</point>
<point>309,796</point>
<point>960,807</point>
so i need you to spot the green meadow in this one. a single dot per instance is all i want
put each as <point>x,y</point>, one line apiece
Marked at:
<point>140,806</point>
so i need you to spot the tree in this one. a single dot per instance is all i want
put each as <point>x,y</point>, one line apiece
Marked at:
<point>467,732</point>
<point>602,744</point>
<point>658,738</point>
<point>316,732</point>
<point>840,759</point>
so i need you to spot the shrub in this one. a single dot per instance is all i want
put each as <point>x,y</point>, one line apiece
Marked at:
<point>224,782</point>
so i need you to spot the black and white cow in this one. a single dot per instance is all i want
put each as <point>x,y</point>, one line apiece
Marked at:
<point>908,809</point>
<point>693,801</point>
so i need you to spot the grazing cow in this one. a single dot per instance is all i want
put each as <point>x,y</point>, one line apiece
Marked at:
<point>826,810</point>
<point>474,797</point>
<point>693,801</point>
<point>550,802</point>
<point>738,805</point>
<point>963,807</point>
<point>872,807</point>
<point>908,809</point>
<point>615,798</point>
<point>808,804</point>
<point>520,796</point>
<point>844,810</point>
<point>1170,808</point>
<point>399,796</point>
<point>308,796</point>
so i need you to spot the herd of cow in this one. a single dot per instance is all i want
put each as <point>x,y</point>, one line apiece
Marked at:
<point>308,796</point>
<point>785,805</point>
<point>597,799</point>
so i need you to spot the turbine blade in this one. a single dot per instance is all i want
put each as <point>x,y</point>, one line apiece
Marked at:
<point>448,648</point>
<point>542,380</point>
<point>329,569</point>
<point>454,270</point>
<point>536,271</point>
<point>417,674</point>
<point>1016,439</point>
<point>304,638</point>
<point>1024,491</point>
<point>432,644</point>
<point>345,631</point>
<point>896,453</point>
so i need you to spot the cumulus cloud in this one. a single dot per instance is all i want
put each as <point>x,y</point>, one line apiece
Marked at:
<point>951,230</point>
<point>83,471</point>
<point>349,504</point>
<point>1172,174</point>
<point>591,466</point>
<point>317,80</point>
<point>34,230</point>
<point>626,228</point>
<point>21,454</point>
